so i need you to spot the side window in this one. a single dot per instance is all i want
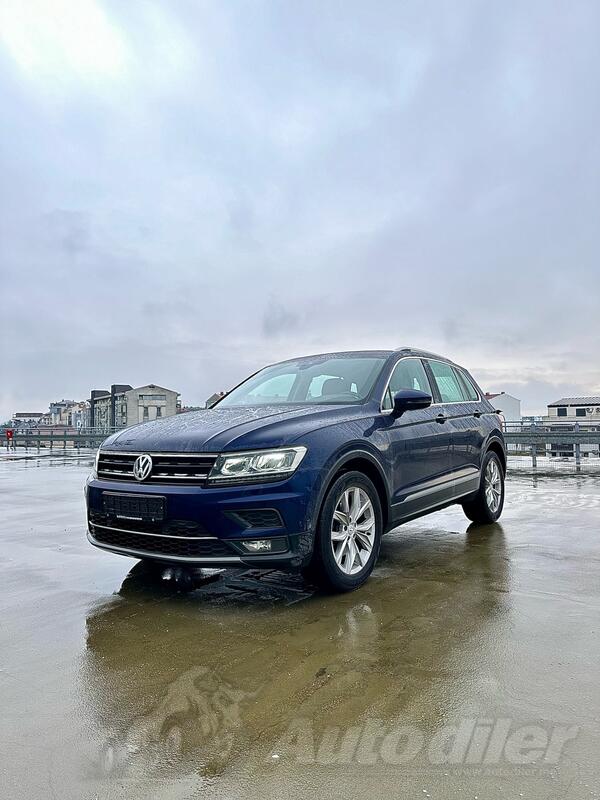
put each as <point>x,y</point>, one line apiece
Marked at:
<point>409,373</point>
<point>447,382</point>
<point>469,389</point>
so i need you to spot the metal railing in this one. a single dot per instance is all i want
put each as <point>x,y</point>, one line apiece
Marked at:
<point>533,439</point>
<point>51,437</point>
<point>557,440</point>
<point>551,427</point>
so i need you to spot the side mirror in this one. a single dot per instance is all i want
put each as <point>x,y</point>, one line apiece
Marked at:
<point>410,400</point>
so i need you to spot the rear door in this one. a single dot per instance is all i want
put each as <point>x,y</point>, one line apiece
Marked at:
<point>459,404</point>
<point>473,422</point>
<point>419,446</point>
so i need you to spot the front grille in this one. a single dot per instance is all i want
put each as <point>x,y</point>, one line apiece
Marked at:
<point>171,468</point>
<point>160,545</point>
<point>173,527</point>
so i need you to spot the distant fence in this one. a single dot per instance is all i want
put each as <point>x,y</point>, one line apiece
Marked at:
<point>39,438</point>
<point>523,439</point>
<point>564,440</point>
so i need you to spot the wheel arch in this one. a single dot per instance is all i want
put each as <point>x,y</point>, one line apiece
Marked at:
<point>364,462</point>
<point>496,446</point>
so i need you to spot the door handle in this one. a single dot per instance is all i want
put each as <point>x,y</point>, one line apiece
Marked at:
<point>441,418</point>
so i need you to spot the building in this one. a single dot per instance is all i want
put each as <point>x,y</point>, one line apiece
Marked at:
<point>59,411</point>
<point>103,406</point>
<point>147,403</point>
<point>79,415</point>
<point>124,406</point>
<point>69,413</point>
<point>509,406</point>
<point>568,412</point>
<point>101,414</point>
<point>26,419</point>
<point>574,409</point>
<point>213,399</point>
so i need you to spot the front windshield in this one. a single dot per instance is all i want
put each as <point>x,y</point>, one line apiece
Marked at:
<point>309,381</point>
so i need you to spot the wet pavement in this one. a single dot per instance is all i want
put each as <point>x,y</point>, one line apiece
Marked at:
<point>467,667</point>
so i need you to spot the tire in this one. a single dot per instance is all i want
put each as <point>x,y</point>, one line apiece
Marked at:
<point>342,560</point>
<point>486,506</point>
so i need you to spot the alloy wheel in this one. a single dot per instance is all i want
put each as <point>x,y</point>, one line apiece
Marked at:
<point>493,486</point>
<point>353,530</point>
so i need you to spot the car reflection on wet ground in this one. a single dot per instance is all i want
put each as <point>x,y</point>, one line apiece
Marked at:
<point>466,667</point>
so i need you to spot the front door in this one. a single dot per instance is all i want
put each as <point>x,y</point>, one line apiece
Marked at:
<point>419,445</point>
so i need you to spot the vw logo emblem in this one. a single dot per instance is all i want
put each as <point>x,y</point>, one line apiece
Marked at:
<point>142,467</point>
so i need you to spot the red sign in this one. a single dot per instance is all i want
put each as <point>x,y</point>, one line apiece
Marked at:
<point>9,434</point>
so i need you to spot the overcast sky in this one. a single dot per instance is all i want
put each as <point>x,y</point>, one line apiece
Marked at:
<point>190,190</point>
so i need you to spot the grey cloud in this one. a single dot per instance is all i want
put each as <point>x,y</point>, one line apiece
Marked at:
<point>277,319</point>
<point>227,185</point>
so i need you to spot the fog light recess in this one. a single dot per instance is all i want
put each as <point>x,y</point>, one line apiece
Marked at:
<point>258,546</point>
<point>263,546</point>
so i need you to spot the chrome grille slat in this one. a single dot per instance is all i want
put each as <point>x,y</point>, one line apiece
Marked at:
<point>116,472</point>
<point>166,467</point>
<point>202,476</point>
<point>158,535</point>
<point>206,549</point>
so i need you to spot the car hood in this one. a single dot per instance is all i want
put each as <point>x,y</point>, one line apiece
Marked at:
<point>217,429</point>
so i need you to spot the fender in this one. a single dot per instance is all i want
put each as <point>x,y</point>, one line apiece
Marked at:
<point>336,462</point>
<point>494,438</point>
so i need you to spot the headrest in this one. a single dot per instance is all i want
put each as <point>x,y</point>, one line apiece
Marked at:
<point>333,386</point>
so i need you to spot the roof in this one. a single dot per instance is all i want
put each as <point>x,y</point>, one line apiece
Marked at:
<point>413,351</point>
<point>491,395</point>
<point>590,400</point>
<point>152,386</point>
<point>29,414</point>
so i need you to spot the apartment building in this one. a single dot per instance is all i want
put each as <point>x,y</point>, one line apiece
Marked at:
<point>124,405</point>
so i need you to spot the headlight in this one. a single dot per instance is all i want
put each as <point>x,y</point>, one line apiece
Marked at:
<point>256,465</point>
<point>95,467</point>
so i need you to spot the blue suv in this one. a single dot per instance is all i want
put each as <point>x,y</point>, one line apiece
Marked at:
<point>303,466</point>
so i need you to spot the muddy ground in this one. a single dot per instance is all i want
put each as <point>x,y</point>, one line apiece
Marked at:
<point>467,667</point>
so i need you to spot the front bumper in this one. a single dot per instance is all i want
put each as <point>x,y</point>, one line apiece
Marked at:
<point>298,554</point>
<point>206,526</point>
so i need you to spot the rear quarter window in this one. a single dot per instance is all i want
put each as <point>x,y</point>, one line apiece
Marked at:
<point>470,391</point>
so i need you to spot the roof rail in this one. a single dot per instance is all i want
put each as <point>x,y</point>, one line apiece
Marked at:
<point>424,353</point>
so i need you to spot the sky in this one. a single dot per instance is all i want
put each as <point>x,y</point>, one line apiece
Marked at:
<point>192,190</point>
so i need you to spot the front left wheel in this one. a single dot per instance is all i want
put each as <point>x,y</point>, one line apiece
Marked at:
<point>348,534</point>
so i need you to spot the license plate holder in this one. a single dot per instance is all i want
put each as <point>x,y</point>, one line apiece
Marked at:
<point>134,507</point>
